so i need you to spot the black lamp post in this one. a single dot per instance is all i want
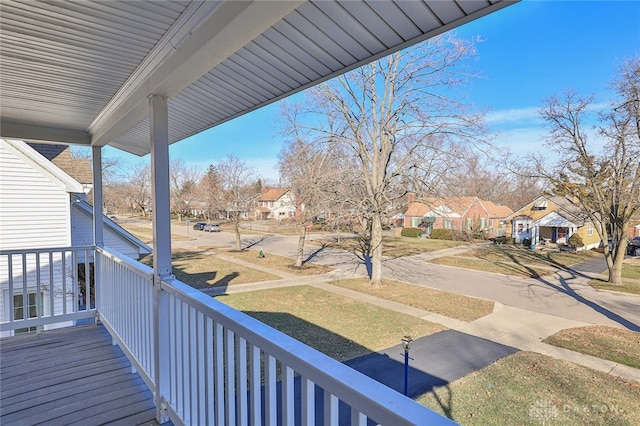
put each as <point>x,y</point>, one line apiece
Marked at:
<point>406,344</point>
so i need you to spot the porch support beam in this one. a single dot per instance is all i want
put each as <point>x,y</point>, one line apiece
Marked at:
<point>98,223</point>
<point>160,186</point>
<point>159,124</point>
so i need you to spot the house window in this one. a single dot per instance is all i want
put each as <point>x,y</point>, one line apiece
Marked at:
<point>469,223</point>
<point>31,309</point>
<point>447,224</point>
<point>483,223</point>
<point>590,229</point>
<point>490,223</point>
<point>415,221</point>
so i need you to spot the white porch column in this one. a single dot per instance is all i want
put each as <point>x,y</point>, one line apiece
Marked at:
<point>98,224</point>
<point>159,123</point>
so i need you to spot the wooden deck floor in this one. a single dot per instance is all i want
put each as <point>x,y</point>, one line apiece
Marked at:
<point>70,376</point>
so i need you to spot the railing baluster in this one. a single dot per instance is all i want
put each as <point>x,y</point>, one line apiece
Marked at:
<point>209,369</point>
<point>52,288</point>
<point>231,377</point>
<point>308,402</point>
<point>256,387</point>
<point>288,404</point>
<point>193,366</point>
<point>38,298</point>
<point>271,400</point>
<point>63,261</point>
<point>243,412</point>
<point>330,409</point>
<point>11,290</point>
<point>219,373</point>
<point>358,418</point>
<point>24,287</point>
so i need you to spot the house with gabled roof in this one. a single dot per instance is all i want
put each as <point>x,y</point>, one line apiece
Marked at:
<point>43,206</point>
<point>458,213</point>
<point>553,219</point>
<point>275,203</point>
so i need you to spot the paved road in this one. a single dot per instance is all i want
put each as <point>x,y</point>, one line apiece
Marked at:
<point>563,294</point>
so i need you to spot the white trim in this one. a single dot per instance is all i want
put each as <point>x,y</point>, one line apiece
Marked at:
<point>41,163</point>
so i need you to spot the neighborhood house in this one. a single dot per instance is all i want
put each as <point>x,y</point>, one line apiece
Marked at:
<point>553,219</point>
<point>470,214</point>
<point>44,206</point>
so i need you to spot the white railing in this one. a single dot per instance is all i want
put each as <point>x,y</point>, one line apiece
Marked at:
<point>125,308</point>
<point>209,364</point>
<point>45,288</point>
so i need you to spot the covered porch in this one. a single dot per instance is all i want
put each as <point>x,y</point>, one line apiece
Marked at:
<point>139,76</point>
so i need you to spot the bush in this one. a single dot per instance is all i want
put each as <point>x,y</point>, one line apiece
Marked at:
<point>443,234</point>
<point>410,232</point>
<point>575,240</point>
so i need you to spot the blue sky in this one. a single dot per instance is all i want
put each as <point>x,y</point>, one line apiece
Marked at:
<point>530,51</point>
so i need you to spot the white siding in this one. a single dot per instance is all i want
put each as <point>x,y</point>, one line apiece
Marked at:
<point>82,235</point>
<point>34,211</point>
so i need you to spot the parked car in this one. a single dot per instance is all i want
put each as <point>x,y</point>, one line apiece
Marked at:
<point>633,246</point>
<point>199,226</point>
<point>211,228</point>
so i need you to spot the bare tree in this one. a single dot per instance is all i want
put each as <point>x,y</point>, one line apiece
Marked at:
<point>304,167</point>
<point>211,193</point>
<point>183,181</point>
<point>398,122</point>
<point>139,187</point>
<point>237,180</point>
<point>605,180</point>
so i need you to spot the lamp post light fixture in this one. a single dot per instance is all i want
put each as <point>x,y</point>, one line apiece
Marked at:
<point>406,345</point>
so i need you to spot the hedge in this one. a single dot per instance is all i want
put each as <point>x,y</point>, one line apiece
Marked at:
<point>410,232</point>
<point>443,234</point>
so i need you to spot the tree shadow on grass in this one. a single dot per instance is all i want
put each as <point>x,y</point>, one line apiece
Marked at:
<point>380,367</point>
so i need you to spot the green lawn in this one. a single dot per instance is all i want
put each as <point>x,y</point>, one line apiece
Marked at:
<point>279,263</point>
<point>338,326</point>
<point>201,269</point>
<point>614,344</point>
<point>441,302</point>
<point>394,246</point>
<point>533,389</point>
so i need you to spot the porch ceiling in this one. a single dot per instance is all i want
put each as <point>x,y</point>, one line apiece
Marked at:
<point>80,72</point>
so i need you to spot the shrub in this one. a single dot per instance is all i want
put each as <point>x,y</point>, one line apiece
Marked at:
<point>575,240</point>
<point>410,232</point>
<point>443,234</point>
<point>500,240</point>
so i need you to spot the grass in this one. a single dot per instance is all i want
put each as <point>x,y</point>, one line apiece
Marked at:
<point>279,263</point>
<point>631,271</point>
<point>394,246</point>
<point>338,326</point>
<point>145,234</point>
<point>614,344</point>
<point>441,302</point>
<point>516,261</point>
<point>626,287</point>
<point>201,270</point>
<point>528,389</point>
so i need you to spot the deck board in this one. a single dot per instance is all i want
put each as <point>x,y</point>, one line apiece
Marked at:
<point>70,376</point>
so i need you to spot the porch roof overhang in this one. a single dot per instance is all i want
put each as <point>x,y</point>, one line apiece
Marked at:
<point>81,72</point>
<point>554,220</point>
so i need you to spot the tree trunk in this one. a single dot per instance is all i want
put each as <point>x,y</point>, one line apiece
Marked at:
<point>300,252</point>
<point>615,261</point>
<point>237,229</point>
<point>376,250</point>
